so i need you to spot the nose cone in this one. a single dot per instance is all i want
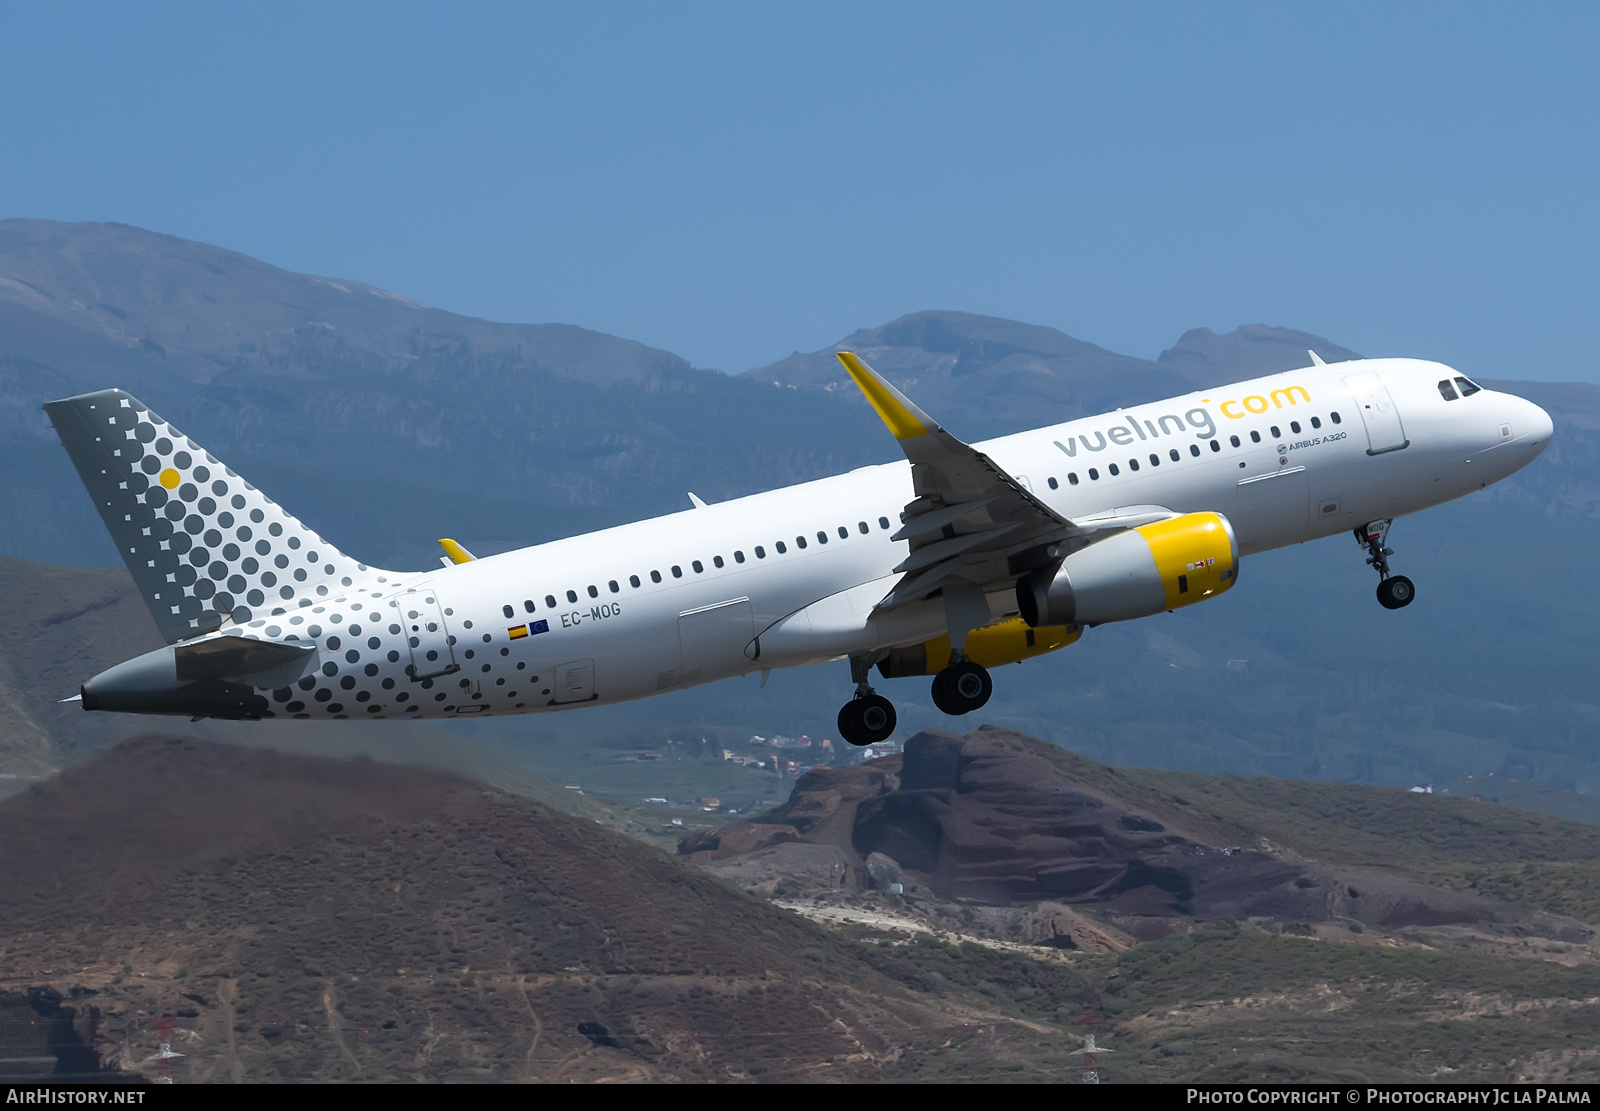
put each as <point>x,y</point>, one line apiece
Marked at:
<point>1538,424</point>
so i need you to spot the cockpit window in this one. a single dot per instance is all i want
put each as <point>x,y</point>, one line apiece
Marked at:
<point>1468,387</point>
<point>1446,390</point>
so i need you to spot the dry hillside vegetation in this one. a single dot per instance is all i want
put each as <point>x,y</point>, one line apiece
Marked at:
<point>315,919</point>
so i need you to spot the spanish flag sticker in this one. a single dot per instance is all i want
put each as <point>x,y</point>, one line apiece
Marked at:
<point>517,632</point>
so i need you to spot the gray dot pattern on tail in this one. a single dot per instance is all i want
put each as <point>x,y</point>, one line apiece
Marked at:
<point>203,544</point>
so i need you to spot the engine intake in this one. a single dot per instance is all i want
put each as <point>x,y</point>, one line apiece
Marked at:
<point>1145,570</point>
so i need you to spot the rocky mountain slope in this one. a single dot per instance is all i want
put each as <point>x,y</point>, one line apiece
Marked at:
<point>1238,929</point>
<point>1002,820</point>
<point>303,918</point>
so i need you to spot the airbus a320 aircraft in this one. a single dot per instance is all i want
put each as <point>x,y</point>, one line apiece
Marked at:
<point>958,560</point>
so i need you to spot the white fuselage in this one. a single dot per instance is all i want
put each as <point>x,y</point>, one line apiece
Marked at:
<point>678,600</point>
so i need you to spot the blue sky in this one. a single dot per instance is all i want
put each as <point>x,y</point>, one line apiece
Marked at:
<point>735,182</point>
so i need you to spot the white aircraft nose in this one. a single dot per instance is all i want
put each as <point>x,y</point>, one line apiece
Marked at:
<point>1536,425</point>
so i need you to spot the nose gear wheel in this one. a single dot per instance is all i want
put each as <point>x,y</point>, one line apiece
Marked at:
<point>1394,591</point>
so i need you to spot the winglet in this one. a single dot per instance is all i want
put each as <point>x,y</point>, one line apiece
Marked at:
<point>455,551</point>
<point>695,498</point>
<point>904,419</point>
<point>1315,358</point>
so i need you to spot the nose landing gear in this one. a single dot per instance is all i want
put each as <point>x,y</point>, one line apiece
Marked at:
<point>1394,591</point>
<point>868,717</point>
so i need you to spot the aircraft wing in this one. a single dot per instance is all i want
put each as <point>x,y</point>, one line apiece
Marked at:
<point>970,522</point>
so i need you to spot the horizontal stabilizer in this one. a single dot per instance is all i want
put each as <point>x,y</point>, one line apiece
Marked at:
<point>228,657</point>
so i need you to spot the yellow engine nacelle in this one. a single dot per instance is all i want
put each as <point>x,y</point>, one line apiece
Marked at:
<point>1134,574</point>
<point>1004,642</point>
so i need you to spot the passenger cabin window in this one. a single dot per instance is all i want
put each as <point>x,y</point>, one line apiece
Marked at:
<point>1334,417</point>
<point>1316,422</point>
<point>699,567</point>
<point>655,576</point>
<point>594,592</point>
<point>572,595</point>
<point>615,589</point>
<point>1234,440</point>
<point>1194,450</point>
<point>1216,445</point>
<point>1468,387</point>
<point>883,522</point>
<point>761,553</point>
<point>1276,435</point>
<point>507,610</point>
<point>677,572</point>
<point>1112,467</point>
<point>861,527</point>
<point>1072,477</point>
<point>528,605</point>
<point>1133,464</point>
<point>738,557</point>
<point>780,547</point>
<point>844,533</point>
<point>800,542</point>
<point>1294,426</point>
<point>550,601</point>
<point>1094,475</point>
<point>822,537</point>
<point>716,561</point>
<point>1255,437</point>
<point>1054,485</point>
<point>633,581</point>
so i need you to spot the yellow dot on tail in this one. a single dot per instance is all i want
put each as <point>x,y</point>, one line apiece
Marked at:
<point>170,479</point>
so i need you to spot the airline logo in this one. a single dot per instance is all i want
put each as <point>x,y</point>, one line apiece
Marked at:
<point>1198,420</point>
<point>1255,404</point>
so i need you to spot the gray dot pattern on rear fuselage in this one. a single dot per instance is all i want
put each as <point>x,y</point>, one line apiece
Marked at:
<point>245,580</point>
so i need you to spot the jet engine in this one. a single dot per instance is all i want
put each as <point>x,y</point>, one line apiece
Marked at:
<point>1145,570</point>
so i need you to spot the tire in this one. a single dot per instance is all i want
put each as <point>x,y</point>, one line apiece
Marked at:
<point>866,721</point>
<point>962,688</point>
<point>1396,592</point>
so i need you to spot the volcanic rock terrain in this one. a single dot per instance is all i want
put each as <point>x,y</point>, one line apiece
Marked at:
<point>305,918</point>
<point>994,820</point>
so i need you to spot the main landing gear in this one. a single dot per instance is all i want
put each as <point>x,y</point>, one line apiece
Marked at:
<point>868,717</point>
<point>1394,591</point>
<point>962,688</point>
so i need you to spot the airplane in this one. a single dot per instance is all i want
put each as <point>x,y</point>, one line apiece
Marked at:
<point>957,560</point>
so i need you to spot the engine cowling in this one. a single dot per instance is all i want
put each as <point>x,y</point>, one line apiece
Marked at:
<point>1155,567</point>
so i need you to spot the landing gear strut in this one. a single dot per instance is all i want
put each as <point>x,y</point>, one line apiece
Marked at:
<point>868,717</point>
<point>1394,591</point>
<point>962,688</point>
